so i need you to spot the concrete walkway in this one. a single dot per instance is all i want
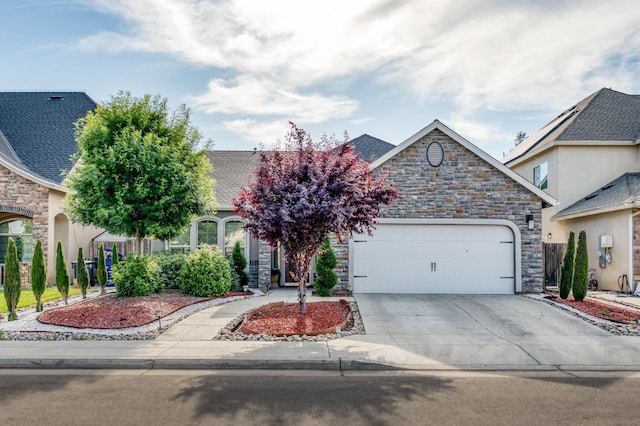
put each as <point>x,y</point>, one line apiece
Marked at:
<point>403,331</point>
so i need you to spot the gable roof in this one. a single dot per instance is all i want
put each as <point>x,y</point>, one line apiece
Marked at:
<point>369,148</point>
<point>620,194</point>
<point>436,124</point>
<point>605,116</point>
<point>38,127</point>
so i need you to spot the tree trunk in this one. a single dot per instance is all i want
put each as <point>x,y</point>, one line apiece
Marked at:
<point>138,244</point>
<point>302,295</point>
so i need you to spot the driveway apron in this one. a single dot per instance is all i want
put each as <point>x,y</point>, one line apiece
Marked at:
<point>483,332</point>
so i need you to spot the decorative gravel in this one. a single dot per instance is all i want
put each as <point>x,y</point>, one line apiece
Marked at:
<point>27,327</point>
<point>618,329</point>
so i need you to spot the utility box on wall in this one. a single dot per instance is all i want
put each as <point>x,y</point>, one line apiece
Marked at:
<point>606,244</point>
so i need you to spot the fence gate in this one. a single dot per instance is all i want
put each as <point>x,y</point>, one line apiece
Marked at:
<point>552,254</point>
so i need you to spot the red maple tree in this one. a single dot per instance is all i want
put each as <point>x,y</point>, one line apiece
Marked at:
<point>302,191</point>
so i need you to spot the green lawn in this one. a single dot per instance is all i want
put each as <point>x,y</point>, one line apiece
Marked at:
<point>28,299</point>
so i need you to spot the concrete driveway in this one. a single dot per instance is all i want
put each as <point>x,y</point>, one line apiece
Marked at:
<point>444,331</point>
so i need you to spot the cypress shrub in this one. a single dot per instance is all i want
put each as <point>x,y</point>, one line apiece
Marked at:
<point>12,279</point>
<point>82,274</point>
<point>114,255</point>
<point>566,272</point>
<point>240,263</point>
<point>325,279</point>
<point>38,275</point>
<point>581,269</point>
<point>102,271</point>
<point>62,274</point>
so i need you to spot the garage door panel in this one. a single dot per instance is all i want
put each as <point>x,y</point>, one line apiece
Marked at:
<point>446,259</point>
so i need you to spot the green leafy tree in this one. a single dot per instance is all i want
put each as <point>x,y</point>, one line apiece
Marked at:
<point>326,278</point>
<point>62,274</point>
<point>12,279</point>
<point>82,274</point>
<point>139,171</point>
<point>38,275</point>
<point>240,263</point>
<point>102,271</point>
<point>566,272</point>
<point>581,268</point>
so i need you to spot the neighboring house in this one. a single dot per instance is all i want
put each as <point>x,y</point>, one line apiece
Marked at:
<point>36,145</point>
<point>588,158</point>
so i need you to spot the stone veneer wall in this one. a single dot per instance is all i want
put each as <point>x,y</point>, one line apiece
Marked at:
<point>17,191</point>
<point>463,187</point>
<point>264,264</point>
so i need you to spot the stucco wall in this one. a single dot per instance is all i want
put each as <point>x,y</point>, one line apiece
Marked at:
<point>463,187</point>
<point>616,224</point>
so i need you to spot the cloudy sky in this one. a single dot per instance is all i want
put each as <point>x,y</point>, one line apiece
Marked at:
<point>388,68</point>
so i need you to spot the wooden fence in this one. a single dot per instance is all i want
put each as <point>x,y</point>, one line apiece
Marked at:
<point>552,254</point>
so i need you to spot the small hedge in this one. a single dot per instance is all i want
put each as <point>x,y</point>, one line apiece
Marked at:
<point>206,273</point>
<point>136,276</point>
<point>170,268</point>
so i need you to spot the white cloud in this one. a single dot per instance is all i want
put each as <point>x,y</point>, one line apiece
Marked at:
<point>255,96</point>
<point>256,132</point>
<point>271,58</point>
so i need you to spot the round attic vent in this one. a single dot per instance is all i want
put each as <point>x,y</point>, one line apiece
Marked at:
<point>435,154</point>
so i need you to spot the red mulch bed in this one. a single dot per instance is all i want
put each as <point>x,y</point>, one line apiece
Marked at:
<point>109,311</point>
<point>287,319</point>
<point>604,310</point>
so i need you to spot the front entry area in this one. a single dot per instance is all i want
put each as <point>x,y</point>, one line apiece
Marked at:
<point>435,259</point>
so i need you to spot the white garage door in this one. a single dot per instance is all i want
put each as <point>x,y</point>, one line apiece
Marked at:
<point>436,259</point>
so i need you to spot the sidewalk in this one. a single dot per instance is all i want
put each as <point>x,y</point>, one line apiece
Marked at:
<point>472,338</point>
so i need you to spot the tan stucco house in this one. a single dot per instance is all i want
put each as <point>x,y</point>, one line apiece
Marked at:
<point>588,158</point>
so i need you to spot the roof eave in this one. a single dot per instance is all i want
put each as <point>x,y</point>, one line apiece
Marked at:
<point>590,212</point>
<point>32,177</point>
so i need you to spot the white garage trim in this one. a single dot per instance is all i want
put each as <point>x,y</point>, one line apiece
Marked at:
<point>517,267</point>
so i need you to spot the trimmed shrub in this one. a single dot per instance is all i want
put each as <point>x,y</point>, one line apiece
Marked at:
<point>12,279</point>
<point>62,274</point>
<point>566,272</point>
<point>170,268</point>
<point>102,271</point>
<point>235,278</point>
<point>239,264</point>
<point>206,273</point>
<point>581,268</point>
<point>325,279</point>
<point>38,275</point>
<point>82,274</point>
<point>115,258</point>
<point>137,276</point>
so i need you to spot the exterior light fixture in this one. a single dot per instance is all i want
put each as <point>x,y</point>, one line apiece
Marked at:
<point>529,220</point>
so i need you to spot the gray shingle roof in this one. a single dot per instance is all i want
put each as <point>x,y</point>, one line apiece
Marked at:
<point>39,127</point>
<point>232,169</point>
<point>621,193</point>
<point>370,148</point>
<point>606,115</point>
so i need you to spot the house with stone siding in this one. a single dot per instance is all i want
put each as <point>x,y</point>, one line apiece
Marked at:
<point>36,146</point>
<point>464,223</point>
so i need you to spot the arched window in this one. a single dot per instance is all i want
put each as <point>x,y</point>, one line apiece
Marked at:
<point>20,231</point>
<point>208,232</point>
<point>233,232</point>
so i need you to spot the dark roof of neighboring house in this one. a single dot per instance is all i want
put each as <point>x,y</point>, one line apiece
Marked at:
<point>38,128</point>
<point>621,193</point>
<point>603,116</point>
<point>232,169</point>
<point>370,148</point>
